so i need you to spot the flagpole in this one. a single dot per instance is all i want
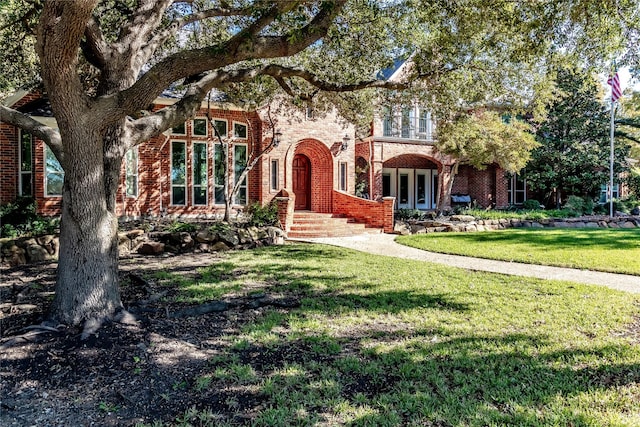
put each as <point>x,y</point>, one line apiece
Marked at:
<point>611,154</point>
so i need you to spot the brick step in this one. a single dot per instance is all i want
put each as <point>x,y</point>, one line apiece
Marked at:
<point>311,224</point>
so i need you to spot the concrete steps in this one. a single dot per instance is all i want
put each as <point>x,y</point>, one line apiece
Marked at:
<point>308,224</point>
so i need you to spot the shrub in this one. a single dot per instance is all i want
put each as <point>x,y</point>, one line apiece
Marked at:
<point>531,205</point>
<point>575,204</point>
<point>405,214</point>
<point>177,226</point>
<point>19,218</point>
<point>261,216</point>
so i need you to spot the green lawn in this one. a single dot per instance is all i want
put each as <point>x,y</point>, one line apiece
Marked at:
<point>379,341</point>
<point>613,250</point>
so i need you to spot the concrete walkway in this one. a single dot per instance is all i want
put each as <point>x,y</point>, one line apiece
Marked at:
<point>384,244</point>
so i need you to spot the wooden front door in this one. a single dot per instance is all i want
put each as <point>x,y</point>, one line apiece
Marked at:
<point>302,182</point>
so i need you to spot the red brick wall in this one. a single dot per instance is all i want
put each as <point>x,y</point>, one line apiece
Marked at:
<point>482,185</point>
<point>373,213</point>
<point>8,163</point>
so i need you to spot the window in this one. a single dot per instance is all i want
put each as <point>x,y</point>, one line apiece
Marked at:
<point>220,128</point>
<point>407,122</point>
<point>178,173</point>
<point>516,190</point>
<point>54,174</point>
<point>200,174</point>
<point>181,129</point>
<point>26,164</point>
<point>387,122</point>
<point>275,175</point>
<point>239,164</point>
<point>240,131</point>
<point>343,176</point>
<point>131,172</point>
<point>200,127</point>
<point>218,173</point>
<point>604,192</point>
<point>425,125</point>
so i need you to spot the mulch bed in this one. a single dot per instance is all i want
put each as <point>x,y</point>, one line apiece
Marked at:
<point>126,372</point>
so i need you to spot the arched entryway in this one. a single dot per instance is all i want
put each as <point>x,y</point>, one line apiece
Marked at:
<point>312,163</point>
<point>302,181</point>
<point>413,180</point>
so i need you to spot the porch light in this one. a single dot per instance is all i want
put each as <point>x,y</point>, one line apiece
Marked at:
<point>276,137</point>
<point>345,142</point>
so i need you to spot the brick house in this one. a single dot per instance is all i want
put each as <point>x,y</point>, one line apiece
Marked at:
<point>399,159</point>
<point>316,165</point>
<point>181,172</point>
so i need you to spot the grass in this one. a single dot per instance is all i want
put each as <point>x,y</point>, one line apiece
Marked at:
<point>389,342</point>
<point>612,250</point>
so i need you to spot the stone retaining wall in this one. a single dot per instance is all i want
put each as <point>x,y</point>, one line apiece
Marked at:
<point>470,223</point>
<point>14,252</point>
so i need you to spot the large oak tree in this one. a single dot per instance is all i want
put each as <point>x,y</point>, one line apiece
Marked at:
<point>103,62</point>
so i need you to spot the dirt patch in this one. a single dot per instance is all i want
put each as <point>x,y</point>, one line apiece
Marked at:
<point>130,372</point>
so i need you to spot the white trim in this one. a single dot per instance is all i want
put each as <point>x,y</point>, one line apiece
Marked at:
<point>226,122</point>
<point>206,127</point>
<point>245,183</point>
<point>171,185</point>
<point>393,173</point>
<point>193,173</point>
<point>126,173</point>
<point>274,185</point>
<point>233,130</point>
<point>344,176</point>
<point>410,185</point>
<point>46,183</point>
<point>24,172</point>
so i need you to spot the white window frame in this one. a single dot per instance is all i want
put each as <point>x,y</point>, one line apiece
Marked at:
<point>243,185</point>
<point>135,157</point>
<point>181,134</point>
<point>185,173</point>
<point>410,188</point>
<point>343,183</point>
<point>513,191</point>
<point>193,173</point>
<point>246,127</point>
<point>216,185</point>
<point>46,173</point>
<point>274,175</point>
<point>392,172</point>
<point>22,173</point>
<point>226,126</point>
<point>206,127</point>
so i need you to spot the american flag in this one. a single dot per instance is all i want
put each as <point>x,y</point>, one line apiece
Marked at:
<point>616,90</point>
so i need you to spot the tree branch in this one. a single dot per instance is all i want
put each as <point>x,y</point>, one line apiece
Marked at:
<point>243,46</point>
<point>94,47</point>
<point>50,136</point>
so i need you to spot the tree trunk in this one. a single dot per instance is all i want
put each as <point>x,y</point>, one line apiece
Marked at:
<point>87,282</point>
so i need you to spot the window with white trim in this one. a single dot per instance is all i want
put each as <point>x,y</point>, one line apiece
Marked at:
<point>239,164</point>
<point>181,129</point>
<point>199,127</point>
<point>343,176</point>
<point>25,187</point>
<point>200,173</point>
<point>516,190</point>
<point>218,173</point>
<point>604,192</point>
<point>131,172</point>
<point>220,128</point>
<point>178,173</point>
<point>239,130</point>
<point>54,174</point>
<point>275,174</point>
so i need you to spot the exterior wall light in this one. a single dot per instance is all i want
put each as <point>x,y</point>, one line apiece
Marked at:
<point>345,142</point>
<point>277,136</point>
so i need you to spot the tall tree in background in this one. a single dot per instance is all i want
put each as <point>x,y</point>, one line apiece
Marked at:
<point>103,62</point>
<point>573,155</point>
